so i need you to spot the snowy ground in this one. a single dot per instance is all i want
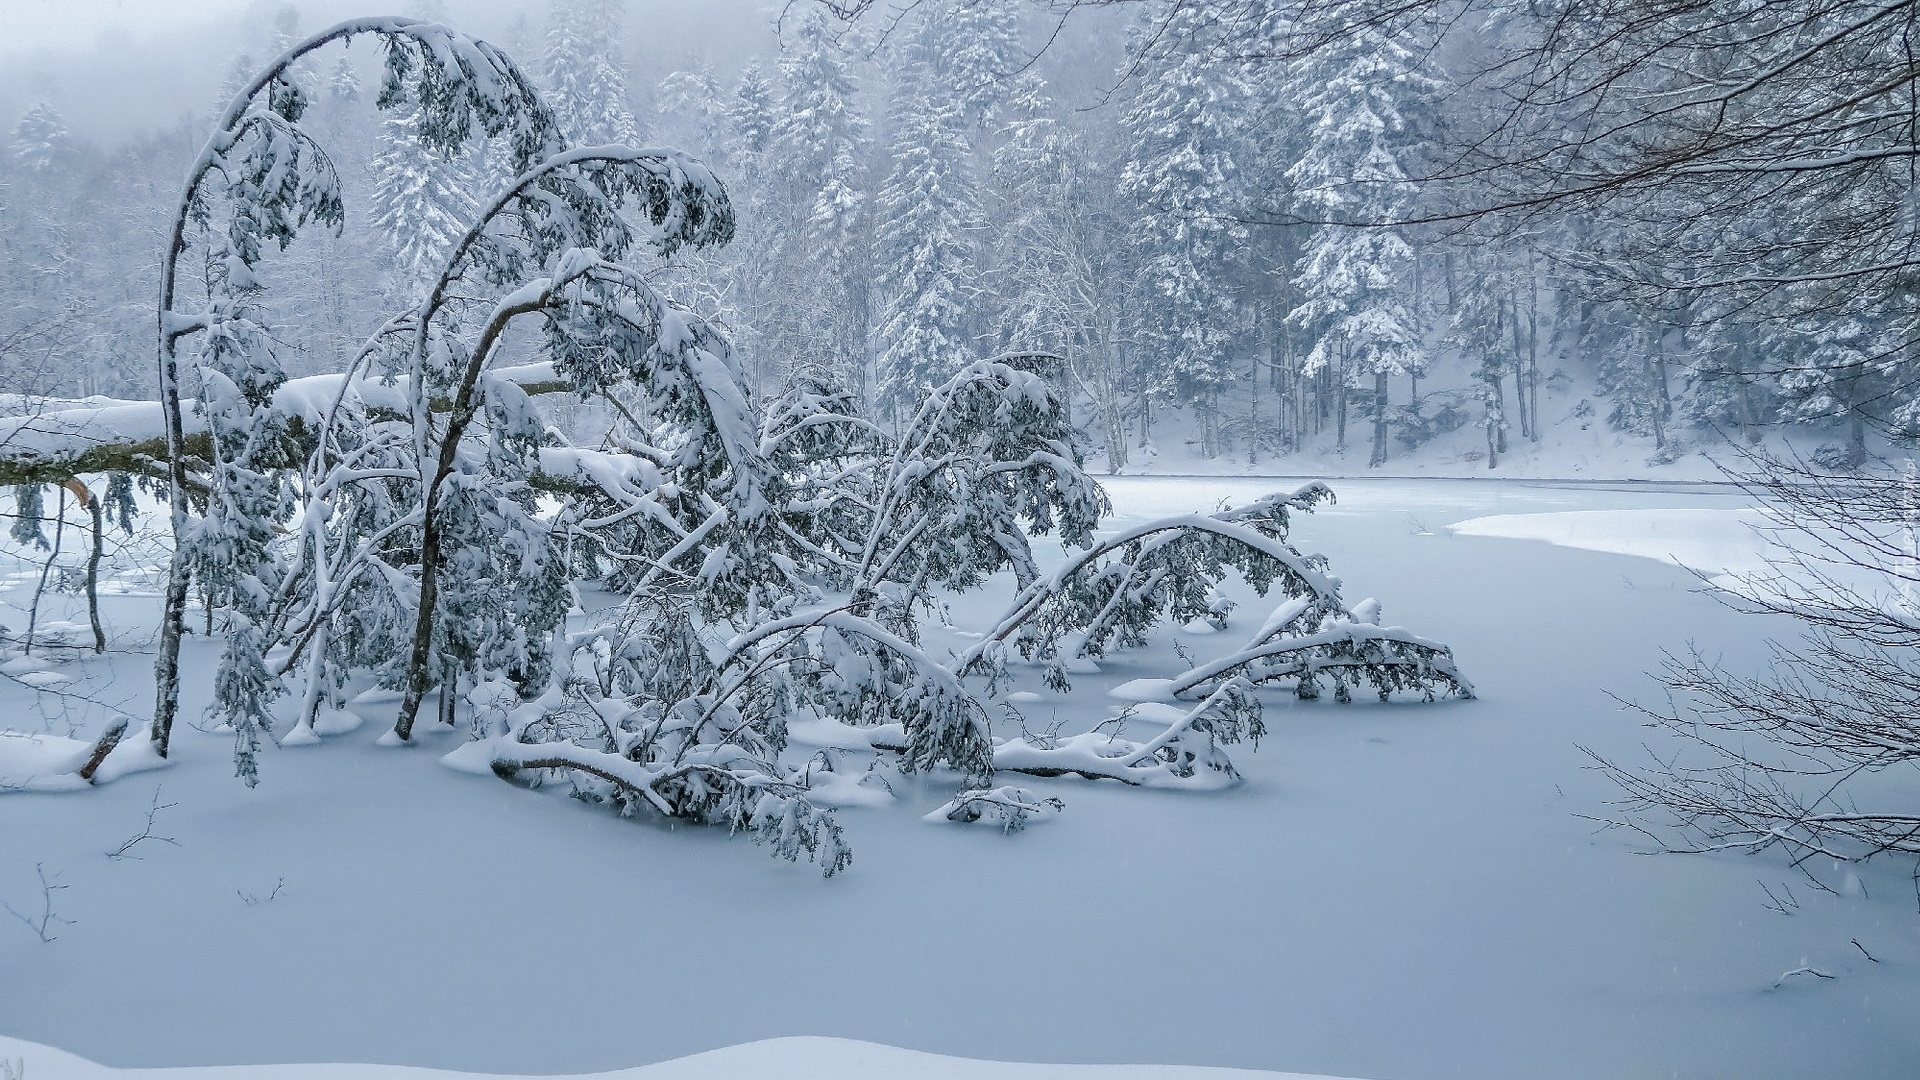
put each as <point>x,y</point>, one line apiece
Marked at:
<point>1399,892</point>
<point>1576,443</point>
<point>788,1059</point>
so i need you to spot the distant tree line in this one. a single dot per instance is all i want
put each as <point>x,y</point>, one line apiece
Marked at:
<point>914,193</point>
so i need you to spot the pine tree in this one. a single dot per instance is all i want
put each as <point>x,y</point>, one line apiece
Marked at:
<point>1182,172</point>
<point>980,62</point>
<point>41,142</point>
<point>1851,370</point>
<point>750,115</point>
<point>820,320</point>
<point>1485,328</point>
<point>583,74</point>
<point>423,197</point>
<point>929,214</point>
<point>1357,306</point>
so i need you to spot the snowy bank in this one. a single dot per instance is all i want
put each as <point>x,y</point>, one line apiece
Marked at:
<point>1712,541</point>
<point>800,1058</point>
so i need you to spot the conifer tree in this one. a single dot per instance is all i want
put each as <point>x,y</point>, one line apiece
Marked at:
<point>583,74</point>
<point>750,115</point>
<point>823,221</point>
<point>41,142</point>
<point>1181,171</point>
<point>1357,306</point>
<point>929,217</point>
<point>423,196</point>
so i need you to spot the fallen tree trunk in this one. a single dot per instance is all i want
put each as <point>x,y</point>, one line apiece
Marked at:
<point>51,441</point>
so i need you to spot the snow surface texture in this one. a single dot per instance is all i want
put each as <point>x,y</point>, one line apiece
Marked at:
<point>798,1058</point>
<point>1402,891</point>
<point>1739,550</point>
<point>1719,542</point>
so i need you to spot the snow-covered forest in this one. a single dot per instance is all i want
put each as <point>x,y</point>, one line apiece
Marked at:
<point>1137,493</point>
<point>1145,199</point>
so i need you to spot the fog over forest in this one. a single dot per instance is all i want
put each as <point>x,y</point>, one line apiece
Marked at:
<point>1137,201</point>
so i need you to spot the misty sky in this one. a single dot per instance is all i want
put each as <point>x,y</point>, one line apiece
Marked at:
<point>116,67</point>
<point>74,25</point>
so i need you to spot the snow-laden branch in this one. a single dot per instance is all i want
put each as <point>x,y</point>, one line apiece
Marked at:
<point>49,440</point>
<point>1389,657</point>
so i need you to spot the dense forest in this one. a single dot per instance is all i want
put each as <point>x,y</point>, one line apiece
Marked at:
<point>1159,193</point>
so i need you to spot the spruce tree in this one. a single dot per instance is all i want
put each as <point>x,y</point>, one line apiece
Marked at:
<point>583,74</point>
<point>821,317</point>
<point>41,142</point>
<point>1355,280</point>
<point>1181,173</point>
<point>423,196</point>
<point>929,216</point>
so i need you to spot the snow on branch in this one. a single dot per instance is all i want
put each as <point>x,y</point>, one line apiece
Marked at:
<point>1349,651</point>
<point>50,440</point>
<point>1187,754</point>
<point>1012,807</point>
<point>1114,592</point>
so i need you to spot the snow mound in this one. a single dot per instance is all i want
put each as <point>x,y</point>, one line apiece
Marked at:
<point>1143,690</point>
<point>40,762</point>
<point>335,721</point>
<point>24,665</point>
<point>794,1058</point>
<point>1708,540</point>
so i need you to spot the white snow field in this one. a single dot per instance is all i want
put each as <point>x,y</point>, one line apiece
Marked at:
<point>794,1058</point>
<point>1398,891</point>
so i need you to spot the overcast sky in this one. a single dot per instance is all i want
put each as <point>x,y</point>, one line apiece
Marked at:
<point>79,25</point>
<point>114,67</point>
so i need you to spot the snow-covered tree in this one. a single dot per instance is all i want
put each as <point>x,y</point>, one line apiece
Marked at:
<point>822,317</point>
<point>41,142</point>
<point>929,216</point>
<point>584,74</point>
<point>1059,271</point>
<point>423,195</point>
<point>1354,279</point>
<point>258,180</point>
<point>750,115</point>
<point>423,198</point>
<point>694,104</point>
<point>416,518</point>
<point>1182,172</point>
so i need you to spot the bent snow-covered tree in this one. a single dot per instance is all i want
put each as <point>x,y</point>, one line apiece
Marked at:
<point>257,181</point>
<point>414,519</point>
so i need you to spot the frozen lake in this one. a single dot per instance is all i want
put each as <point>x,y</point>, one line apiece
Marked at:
<point>1398,892</point>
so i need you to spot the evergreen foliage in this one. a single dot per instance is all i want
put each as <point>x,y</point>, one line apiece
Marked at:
<point>583,74</point>
<point>929,218</point>
<point>1357,308</point>
<point>1182,167</point>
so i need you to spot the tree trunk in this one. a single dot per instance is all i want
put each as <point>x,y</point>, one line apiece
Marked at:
<point>1520,336</point>
<point>46,569</point>
<point>92,504</point>
<point>1657,406</point>
<point>1340,430</point>
<point>1856,431</point>
<point>1497,430</point>
<point>1379,457</point>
